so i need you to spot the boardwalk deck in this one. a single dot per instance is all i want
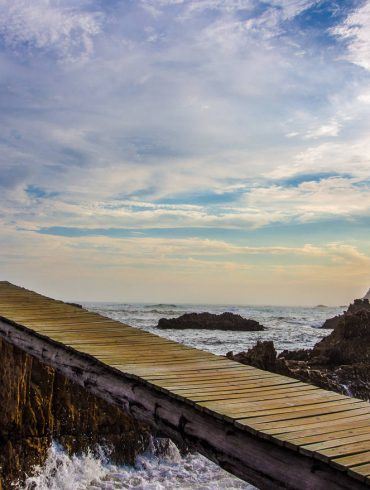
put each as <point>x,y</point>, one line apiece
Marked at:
<point>274,431</point>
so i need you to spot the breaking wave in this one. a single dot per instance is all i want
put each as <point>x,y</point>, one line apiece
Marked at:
<point>153,471</point>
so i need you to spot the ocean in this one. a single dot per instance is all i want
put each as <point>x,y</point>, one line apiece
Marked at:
<point>288,327</point>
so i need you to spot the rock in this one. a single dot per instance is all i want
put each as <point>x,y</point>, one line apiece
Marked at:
<point>38,405</point>
<point>331,323</point>
<point>210,321</point>
<point>295,355</point>
<point>339,362</point>
<point>367,295</point>
<point>263,356</point>
<point>357,305</point>
<point>349,342</point>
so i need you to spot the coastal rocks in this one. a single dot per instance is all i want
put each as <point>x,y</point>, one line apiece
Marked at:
<point>263,356</point>
<point>339,362</point>
<point>357,305</point>
<point>38,405</point>
<point>210,321</point>
<point>331,323</point>
<point>348,343</point>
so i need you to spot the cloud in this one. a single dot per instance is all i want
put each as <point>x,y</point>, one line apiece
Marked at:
<point>309,201</point>
<point>173,115</point>
<point>355,31</point>
<point>50,25</point>
<point>330,129</point>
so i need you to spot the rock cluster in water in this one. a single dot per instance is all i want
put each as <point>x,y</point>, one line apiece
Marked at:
<point>38,405</point>
<point>339,362</point>
<point>357,305</point>
<point>210,321</point>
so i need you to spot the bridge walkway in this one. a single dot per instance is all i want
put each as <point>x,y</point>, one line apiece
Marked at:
<point>295,423</point>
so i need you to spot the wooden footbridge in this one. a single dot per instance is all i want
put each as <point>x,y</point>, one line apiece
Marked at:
<point>270,430</point>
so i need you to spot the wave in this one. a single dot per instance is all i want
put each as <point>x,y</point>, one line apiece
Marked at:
<point>163,312</point>
<point>161,305</point>
<point>160,468</point>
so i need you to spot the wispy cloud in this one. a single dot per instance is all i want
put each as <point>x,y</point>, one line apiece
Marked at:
<point>355,30</point>
<point>55,26</point>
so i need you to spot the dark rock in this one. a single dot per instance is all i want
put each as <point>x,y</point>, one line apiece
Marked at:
<point>349,342</point>
<point>263,356</point>
<point>210,321</point>
<point>357,305</point>
<point>38,405</point>
<point>333,322</point>
<point>339,362</point>
<point>295,355</point>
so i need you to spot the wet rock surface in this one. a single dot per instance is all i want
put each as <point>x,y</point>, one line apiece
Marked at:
<point>339,362</point>
<point>38,405</point>
<point>210,321</point>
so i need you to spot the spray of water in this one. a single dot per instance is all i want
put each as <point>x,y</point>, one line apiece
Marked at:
<point>161,467</point>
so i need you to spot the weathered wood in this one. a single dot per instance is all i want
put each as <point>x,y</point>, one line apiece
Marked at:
<point>322,432</point>
<point>360,435</point>
<point>249,420</point>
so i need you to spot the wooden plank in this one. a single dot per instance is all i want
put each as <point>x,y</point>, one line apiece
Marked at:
<point>237,394</point>
<point>307,409</point>
<point>314,427</point>
<point>334,439</point>
<point>353,460</point>
<point>208,395</point>
<point>300,423</point>
<point>362,470</point>
<point>273,393</point>
<point>296,398</point>
<point>265,394</point>
<point>348,449</point>
<point>211,383</point>
<point>255,407</point>
<point>223,393</point>
<point>322,432</point>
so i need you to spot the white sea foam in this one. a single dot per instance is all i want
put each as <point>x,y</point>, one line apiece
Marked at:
<point>166,471</point>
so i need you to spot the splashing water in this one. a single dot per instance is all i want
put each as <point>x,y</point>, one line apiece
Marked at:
<point>152,471</point>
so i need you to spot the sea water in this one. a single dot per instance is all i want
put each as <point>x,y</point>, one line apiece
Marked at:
<point>288,327</point>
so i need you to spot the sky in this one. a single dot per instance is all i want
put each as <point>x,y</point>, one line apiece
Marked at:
<point>205,151</point>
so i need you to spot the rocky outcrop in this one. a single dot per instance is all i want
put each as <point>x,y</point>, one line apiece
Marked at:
<point>331,323</point>
<point>339,362</point>
<point>357,305</point>
<point>38,405</point>
<point>210,321</point>
<point>349,342</point>
<point>262,356</point>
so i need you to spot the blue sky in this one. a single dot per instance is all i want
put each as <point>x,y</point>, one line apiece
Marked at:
<point>180,150</point>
